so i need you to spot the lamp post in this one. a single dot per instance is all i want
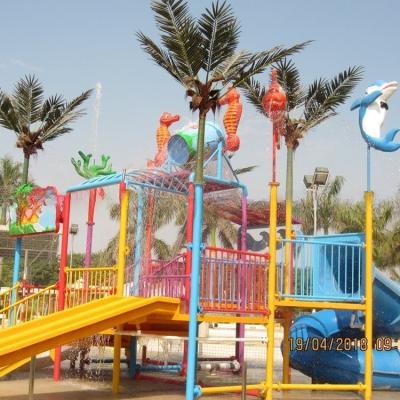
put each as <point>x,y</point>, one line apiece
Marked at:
<point>312,182</point>
<point>73,230</point>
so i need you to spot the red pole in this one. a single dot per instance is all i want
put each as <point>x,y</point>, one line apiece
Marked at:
<point>149,233</point>
<point>61,278</point>
<point>274,144</point>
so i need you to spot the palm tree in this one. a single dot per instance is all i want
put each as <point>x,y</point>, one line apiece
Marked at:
<point>10,179</point>
<point>328,204</point>
<point>306,108</point>
<point>350,217</point>
<point>202,56</point>
<point>34,120</point>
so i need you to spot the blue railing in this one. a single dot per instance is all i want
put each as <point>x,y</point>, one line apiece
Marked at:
<point>323,268</point>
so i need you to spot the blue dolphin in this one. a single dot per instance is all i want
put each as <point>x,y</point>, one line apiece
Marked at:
<point>373,107</point>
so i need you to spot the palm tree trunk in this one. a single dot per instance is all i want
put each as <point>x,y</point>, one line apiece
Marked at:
<point>3,214</point>
<point>213,237</point>
<point>289,207</point>
<point>25,170</point>
<point>198,177</point>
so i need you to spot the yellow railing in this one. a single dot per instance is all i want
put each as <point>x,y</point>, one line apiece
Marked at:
<point>6,296</point>
<point>86,284</point>
<point>36,305</point>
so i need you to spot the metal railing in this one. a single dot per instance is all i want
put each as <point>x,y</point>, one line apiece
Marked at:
<point>322,270</point>
<point>167,278</point>
<point>6,296</point>
<point>36,305</point>
<point>232,280</point>
<point>85,284</point>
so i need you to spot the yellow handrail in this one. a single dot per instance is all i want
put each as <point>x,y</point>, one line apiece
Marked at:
<point>5,297</point>
<point>36,305</point>
<point>84,284</point>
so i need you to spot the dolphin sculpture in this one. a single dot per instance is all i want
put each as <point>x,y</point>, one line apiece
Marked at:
<point>372,112</point>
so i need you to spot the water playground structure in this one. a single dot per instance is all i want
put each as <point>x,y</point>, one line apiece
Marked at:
<point>350,311</point>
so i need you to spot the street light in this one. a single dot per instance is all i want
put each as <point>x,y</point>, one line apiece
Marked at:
<point>312,182</point>
<point>73,230</point>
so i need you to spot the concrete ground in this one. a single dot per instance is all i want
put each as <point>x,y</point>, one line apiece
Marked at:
<point>97,381</point>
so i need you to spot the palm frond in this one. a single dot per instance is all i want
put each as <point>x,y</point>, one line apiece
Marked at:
<point>180,35</point>
<point>8,114</point>
<point>260,61</point>
<point>231,67</point>
<point>254,93</point>
<point>28,97</point>
<point>57,121</point>
<point>289,78</point>
<point>220,31</point>
<point>161,249</point>
<point>244,170</point>
<point>323,97</point>
<point>160,57</point>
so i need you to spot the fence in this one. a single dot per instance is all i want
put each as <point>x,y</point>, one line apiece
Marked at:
<point>87,284</point>
<point>36,305</point>
<point>322,270</point>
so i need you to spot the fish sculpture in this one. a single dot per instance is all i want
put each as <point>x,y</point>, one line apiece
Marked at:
<point>373,107</point>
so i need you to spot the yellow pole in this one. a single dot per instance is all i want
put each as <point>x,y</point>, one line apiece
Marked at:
<point>271,288</point>
<point>120,281</point>
<point>286,348</point>
<point>369,278</point>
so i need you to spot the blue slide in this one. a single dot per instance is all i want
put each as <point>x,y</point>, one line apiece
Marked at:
<point>321,341</point>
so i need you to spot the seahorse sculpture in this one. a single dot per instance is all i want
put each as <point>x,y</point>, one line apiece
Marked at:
<point>84,169</point>
<point>162,136</point>
<point>274,104</point>
<point>232,118</point>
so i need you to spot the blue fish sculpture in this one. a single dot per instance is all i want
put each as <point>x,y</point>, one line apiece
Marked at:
<point>372,112</point>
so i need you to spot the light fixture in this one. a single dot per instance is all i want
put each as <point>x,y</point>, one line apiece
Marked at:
<point>308,181</point>
<point>320,176</point>
<point>73,229</point>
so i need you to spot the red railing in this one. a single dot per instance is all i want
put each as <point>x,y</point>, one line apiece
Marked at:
<point>232,280</point>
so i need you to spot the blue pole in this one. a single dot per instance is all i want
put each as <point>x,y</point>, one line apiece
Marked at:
<point>133,357</point>
<point>194,291</point>
<point>138,242</point>
<point>17,261</point>
<point>219,160</point>
<point>368,168</point>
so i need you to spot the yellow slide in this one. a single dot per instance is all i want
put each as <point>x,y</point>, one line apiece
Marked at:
<point>33,337</point>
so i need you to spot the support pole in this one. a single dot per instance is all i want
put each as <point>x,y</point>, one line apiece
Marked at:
<point>369,279</point>
<point>137,262</point>
<point>124,204</point>
<point>194,292</point>
<point>17,262</point>
<point>61,276</point>
<point>271,289</point>
<point>188,266</point>
<point>32,367</point>
<point>90,223</point>
<point>240,328</point>
<point>133,357</point>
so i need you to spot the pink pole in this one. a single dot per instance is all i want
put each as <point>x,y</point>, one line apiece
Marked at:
<point>61,279</point>
<point>240,328</point>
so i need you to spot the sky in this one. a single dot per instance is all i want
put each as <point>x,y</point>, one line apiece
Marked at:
<point>72,45</point>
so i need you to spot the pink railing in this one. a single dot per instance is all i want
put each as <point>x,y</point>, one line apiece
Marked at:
<point>232,280</point>
<point>167,278</point>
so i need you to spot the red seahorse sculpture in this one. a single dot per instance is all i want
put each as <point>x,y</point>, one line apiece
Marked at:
<point>232,118</point>
<point>274,104</point>
<point>162,137</point>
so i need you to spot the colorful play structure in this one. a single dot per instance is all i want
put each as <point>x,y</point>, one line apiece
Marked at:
<point>344,339</point>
